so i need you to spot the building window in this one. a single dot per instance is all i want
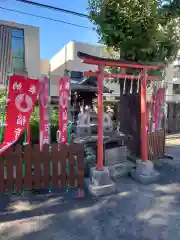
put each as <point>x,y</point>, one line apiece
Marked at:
<point>176,72</point>
<point>176,88</point>
<point>77,76</point>
<point>17,48</point>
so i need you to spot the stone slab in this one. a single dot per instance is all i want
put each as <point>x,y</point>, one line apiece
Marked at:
<point>145,179</point>
<point>99,191</point>
<point>121,169</point>
<point>144,172</point>
<point>115,155</point>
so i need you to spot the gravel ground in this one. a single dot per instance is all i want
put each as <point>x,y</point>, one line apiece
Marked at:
<point>134,212</point>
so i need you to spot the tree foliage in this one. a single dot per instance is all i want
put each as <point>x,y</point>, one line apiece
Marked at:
<point>142,30</point>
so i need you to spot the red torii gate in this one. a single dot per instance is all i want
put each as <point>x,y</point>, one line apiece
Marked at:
<point>102,63</point>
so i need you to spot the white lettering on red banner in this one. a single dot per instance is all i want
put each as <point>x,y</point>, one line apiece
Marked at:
<point>46,140</point>
<point>17,132</point>
<point>64,89</point>
<point>44,112</point>
<point>21,120</point>
<point>64,115</point>
<point>32,89</point>
<point>19,108</point>
<point>17,86</point>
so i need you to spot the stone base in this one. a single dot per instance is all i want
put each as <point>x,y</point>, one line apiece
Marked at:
<point>132,158</point>
<point>103,190</point>
<point>100,183</point>
<point>168,156</point>
<point>121,169</point>
<point>144,172</point>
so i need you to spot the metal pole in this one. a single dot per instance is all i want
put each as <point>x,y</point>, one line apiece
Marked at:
<point>143,115</point>
<point>100,79</point>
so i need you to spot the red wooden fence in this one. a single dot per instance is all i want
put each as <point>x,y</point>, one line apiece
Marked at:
<point>26,166</point>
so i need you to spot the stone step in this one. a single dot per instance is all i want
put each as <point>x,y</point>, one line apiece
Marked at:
<point>121,169</point>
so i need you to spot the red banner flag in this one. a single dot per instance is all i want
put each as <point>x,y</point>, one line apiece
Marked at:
<point>64,88</point>
<point>44,112</point>
<point>22,96</point>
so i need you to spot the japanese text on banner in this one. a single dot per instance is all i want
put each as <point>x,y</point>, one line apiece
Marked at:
<point>44,112</point>
<point>22,97</point>
<point>64,89</point>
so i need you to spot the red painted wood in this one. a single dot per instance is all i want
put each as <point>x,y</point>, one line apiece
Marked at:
<point>121,76</point>
<point>46,166</point>
<point>79,151</point>
<point>63,157</point>
<point>36,158</point>
<point>109,63</point>
<point>27,157</point>
<point>71,158</point>
<point>143,116</point>
<point>100,117</point>
<point>18,164</point>
<point>9,163</point>
<point>55,158</point>
<point>1,172</point>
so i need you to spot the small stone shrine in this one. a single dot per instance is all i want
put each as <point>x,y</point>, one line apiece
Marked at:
<point>115,150</point>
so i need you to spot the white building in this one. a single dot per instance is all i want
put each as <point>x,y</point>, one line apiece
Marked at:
<point>19,49</point>
<point>67,58</point>
<point>173,82</point>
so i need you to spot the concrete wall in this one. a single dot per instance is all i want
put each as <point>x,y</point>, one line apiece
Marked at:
<point>32,51</point>
<point>62,59</point>
<point>170,80</point>
<point>98,51</point>
<point>67,57</point>
<point>44,67</point>
<point>32,47</point>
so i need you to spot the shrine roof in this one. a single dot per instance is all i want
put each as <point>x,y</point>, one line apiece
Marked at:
<point>86,87</point>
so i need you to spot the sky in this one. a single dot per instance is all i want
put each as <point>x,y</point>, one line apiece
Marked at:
<point>53,35</point>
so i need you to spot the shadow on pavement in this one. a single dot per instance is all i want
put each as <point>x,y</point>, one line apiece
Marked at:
<point>135,212</point>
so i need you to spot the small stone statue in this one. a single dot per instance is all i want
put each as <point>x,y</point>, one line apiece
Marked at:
<point>83,125</point>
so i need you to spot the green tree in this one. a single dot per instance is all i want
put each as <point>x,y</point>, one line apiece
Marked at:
<point>143,31</point>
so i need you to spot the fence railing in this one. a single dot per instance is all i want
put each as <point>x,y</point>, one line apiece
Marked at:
<point>156,144</point>
<point>25,167</point>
